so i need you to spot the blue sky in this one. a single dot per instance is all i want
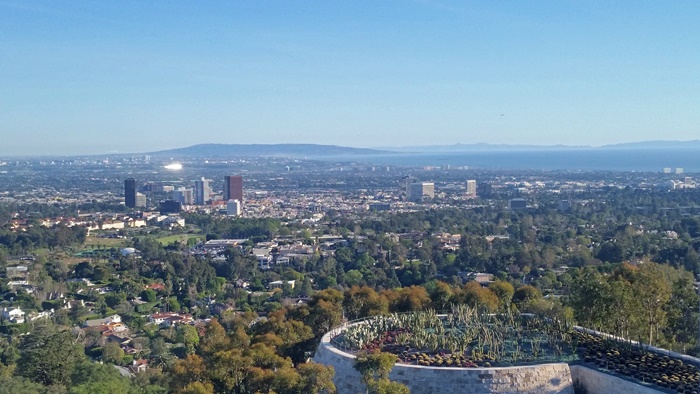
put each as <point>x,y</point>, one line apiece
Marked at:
<point>79,77</point>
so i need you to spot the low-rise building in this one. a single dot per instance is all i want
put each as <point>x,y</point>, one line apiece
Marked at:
<point>13,315</point>
<point>278,284</point>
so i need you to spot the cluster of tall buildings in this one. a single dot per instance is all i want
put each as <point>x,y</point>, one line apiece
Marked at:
<point>419,191</point>
<point>201,194</point>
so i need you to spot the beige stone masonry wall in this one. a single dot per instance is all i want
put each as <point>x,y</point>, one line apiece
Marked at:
<point>597,382</point>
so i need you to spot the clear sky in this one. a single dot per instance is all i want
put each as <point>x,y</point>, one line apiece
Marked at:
<point>80,77</point>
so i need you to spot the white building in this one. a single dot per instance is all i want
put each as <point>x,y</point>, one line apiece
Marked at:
<point>15,315</point>
<point>278,284</point>
<point>264,262</point>
<point>106,321</point>
<point>215,244</point>
<point>471,187</point>
<point>233,208</point>
<point>420,190</point>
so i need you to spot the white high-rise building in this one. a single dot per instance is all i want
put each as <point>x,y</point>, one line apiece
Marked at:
<point>471,187</point>
<point>233,208</point>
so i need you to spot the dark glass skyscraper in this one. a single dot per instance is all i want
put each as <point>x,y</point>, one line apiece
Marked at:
<point>130,192</point>
<point>233,188</point>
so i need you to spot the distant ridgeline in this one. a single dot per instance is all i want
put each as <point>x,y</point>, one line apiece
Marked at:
<point>255,150</point>
<point>651,156</point>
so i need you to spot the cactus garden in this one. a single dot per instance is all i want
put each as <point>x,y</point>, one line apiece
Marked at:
<point>465,337</point>
<point>468,338</point>
<point>631,361</point>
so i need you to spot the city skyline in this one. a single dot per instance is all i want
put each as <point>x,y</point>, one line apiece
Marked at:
<point>98,78</point>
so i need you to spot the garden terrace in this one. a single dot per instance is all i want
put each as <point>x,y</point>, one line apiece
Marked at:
<point>462,338</point>
<point>466,338</point>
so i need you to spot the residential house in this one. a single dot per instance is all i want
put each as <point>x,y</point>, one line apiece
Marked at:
<point>100,322</point>
<point>13,315</point>
<point>279,283</point>
<point>170,319</point>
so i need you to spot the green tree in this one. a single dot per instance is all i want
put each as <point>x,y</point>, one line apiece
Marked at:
<point>413,298</point>
<point>440,294</point>
<point>375,366</point>
<point>526,293</point>
<point>363,301</point>
<point>20,385</point>
<point>49,355</point>
<point>315,378</point>
<point>374,369</point>
<point>325,311</point>
<point>652,290</point>
<point>388,387</point>
<point>112,353</point>
<point>174,304</point>
<point>92,378</point>
<point>504,291</point>
<point>160,352</point>
<point>683,314</point>
<point>188,335</point>
<point>149,295</point>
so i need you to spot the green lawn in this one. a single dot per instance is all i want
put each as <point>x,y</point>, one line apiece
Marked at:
<point>92,242</point>
<point>179,237</point>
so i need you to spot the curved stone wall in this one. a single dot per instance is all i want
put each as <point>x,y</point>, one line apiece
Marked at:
<point>535,379</point>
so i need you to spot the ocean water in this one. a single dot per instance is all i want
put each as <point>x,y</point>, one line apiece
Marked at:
<point>646,160</point>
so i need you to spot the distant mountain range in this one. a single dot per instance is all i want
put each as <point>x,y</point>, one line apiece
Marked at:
<point>313,150</point>
<point>251,150</point>
<point>660,144</point>
<point>475,148</point>
<point>694,144</point>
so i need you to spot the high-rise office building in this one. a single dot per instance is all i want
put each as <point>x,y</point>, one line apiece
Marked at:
<point>184,196</point>
<point>407,182</point>
<point>202,191</point>
<point>471,187</point>
<point>130,192</point>
<point>140,200</point>
<point>419,190</point>
<point>233,188</point>
<point>233,208</point>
